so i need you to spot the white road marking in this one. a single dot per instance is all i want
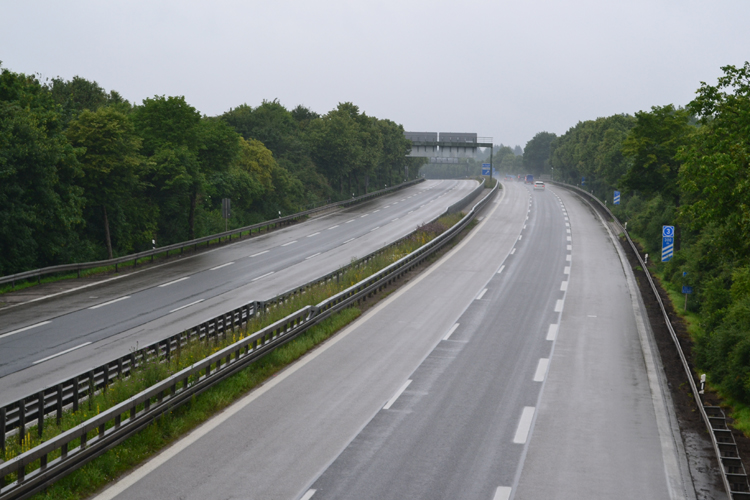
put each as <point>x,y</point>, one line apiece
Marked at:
<point>566,218</point>
<point>173,282</point>
<point>223,265</point>
<point>308,495</point>
<point>290,243</point>
<point>564,286</point>
<point>347,222</point>
<point>552,332</point>
<point>313,255</point>
<point>110,302</point>
<point>567,224</point>
<point>333,227</point>
<point>513,250</point>
<point>410,212</point>
<point>568,257</point>
<point>592,315</point>
<point>394,220</point>
<point>568,238</point>
<point>314,234</point>
<point>541,370</point>
<point>387,206</point>
<point>259,277</point>
<point>481,294</point>
<point>450,332</point>
<point>570,247</point>
<point>361,216</point>
<point>520,236</point>
<point>501,269</point>
<point>61,353</point>
<point>187,305</point>
<point>524,226</point>
<point>373,229</point>
<point>558,305</point>
<point>24,329</point>
<point>395,396</point>
<point>347,241</point>
<point>567,231</point>
<point>502,493</point>
<point>395,203</point>
<point>524,425</point>
<point>566,270</point>
<point>260,253</point>
<point>376,211</point>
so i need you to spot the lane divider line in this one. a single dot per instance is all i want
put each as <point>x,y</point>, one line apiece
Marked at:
<point>333,227</point>
<point>559,305</point>
<point>481,294</point>
<point>568,257</point>
<point>61,353</point>
<point>347,222</point>
<point>541,370</point>
<point>570,247</point>
<point>260,253</point>
<point>564,286</point>
<point>187,305</point>
<point>524,425</point>
<point>566,270</point>
<point>374,229</point>
<point>24,329</point>
<point>395,396</point>
<point>173,282</point>
<point>362,216</point>
<point>347,241</point>
<point>110,302</point>
<point>501,269</point>
<point>259,277</point>
<point>223,265</point>
<point>520,236</point>
<point>552,331</point>
<point>290,243</point>
<point>314,234</point>
<point>502,493</point>
<point>313,255</point>
<point>308,495</point>
<point>394,220</point>
<point>513,251</point>
<point>450,332</point>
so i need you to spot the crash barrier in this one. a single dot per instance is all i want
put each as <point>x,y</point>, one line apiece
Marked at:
<point>38,273</point>
<point>70,450</point>
<point>734,475</point>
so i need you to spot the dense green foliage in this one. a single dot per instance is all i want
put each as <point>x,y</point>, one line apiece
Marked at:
<point>86,175</point>
<point>691,168</point>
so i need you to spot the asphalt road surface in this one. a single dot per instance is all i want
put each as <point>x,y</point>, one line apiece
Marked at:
<point>50,340</point>
<point>512,368</point>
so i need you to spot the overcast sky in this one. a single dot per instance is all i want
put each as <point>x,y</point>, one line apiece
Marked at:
<point>505,69</point>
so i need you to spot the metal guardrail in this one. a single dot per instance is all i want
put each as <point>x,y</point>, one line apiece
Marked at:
<point>78,267</point>
<point>734,476</point>
<point>73,448</point>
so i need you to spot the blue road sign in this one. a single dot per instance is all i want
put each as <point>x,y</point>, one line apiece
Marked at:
<point>617,197</point>
<point>485,169</point>
<point>687,289</point>
<point>583,181</point>
<point>667,243</point>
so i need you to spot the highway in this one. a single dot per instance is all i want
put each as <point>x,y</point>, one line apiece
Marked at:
<point>52,339</point>
<point>512,368</point>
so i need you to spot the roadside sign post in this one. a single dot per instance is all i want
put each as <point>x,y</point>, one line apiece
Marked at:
<point>616,200</point>
<point>667,243</point>
<point>687,290</point>
<point>226,211</point>
<point>486,169</point>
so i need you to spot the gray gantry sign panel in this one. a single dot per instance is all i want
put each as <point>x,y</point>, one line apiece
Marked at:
<point>423,143</point>
<point>444,144</point>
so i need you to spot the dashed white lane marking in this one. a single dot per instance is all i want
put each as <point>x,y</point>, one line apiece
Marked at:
<point>541,370</point>
<point>566,218</point>
<point>568,257</point>
<point>567,231</point>
<point>347,241</point>
<point>187,305</point>
<point>314,234</point>
<point>524,425</point>
<point>566,270</point>
<point>558,305</point>
<point>513,251</point>
<point>410,212</point>
<point>567,224</point>
<point>569,238</point>
<point>347,222</point>
<point>333,227</point>
<point>450,332</point>
<point>570,247</point>
<point>259,277</point>
<point>223,265</point>
<point>374,229</point>
<point>502,493</point>
<point>481,294</point>
<point>387,206</point>
<point>520,236</point>
<point>394,220</point>
<point>501,269</point>
<point>110,302</point>
<point>290,243</point>
<point>173,282</point>
<point>362,216</point>
<point>24,329</point>
<point>524,226</point>
<point>552,332</point>
<point>308,495</point>
<point>61,353</point>
<point>395,203</point>
<point>260,253</point>
<point>395,396</point>
<point>591,315</point>
<point>313,255</point>
<point>376,211</point>
<point>564,286</point>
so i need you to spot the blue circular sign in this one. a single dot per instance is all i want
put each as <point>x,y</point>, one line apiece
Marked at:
<point>668,231</point>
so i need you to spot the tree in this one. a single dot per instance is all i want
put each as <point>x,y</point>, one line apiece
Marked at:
<point>536,153</point>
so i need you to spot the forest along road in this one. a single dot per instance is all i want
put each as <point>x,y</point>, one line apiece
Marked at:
<point>50,340</point>
<point>451,387</point>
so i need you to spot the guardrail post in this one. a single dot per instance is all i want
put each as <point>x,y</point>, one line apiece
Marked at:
<point>40,414</point>
<point>75,393</point>
<point>2,436</point>
<point>21,420</point>
<point>59,409</point>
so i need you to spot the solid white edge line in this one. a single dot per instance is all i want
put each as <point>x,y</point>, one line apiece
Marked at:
<point>287,244</point>
<point>219,267</point>
<point>24,329</point>
<point>502,493</point>
<point>564,286</point>
<point>260,253</point>
<point>308,495</point>
<point>552,332</point>
<point>259,277</point>
<point>541,370</point>
<point>395,396</point>
<point>61,353</point>
<point>173,282</point>
<point>481,294</point>
<point>187,305</point>
<point>501,269</point>
<point>313,255</point>
<point>450,332</point>
<point>559,305</point>
<point>524,425</point>
<point>110,302</point>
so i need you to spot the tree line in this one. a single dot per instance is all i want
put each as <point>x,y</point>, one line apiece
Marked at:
<point>688,167</point>
<point>87,175</point>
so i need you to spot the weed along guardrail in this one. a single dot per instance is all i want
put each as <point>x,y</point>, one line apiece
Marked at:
<point>66,268</point>
<point>734,476</point>
<point>42,465</point>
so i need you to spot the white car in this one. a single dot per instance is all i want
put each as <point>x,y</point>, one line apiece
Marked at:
<point>539,185</point>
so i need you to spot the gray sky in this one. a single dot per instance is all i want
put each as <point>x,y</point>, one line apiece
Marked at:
<point>505,69</point>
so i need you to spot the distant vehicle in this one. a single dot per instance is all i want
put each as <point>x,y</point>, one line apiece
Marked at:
<point>529,179</point>
<point>539,185</point>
